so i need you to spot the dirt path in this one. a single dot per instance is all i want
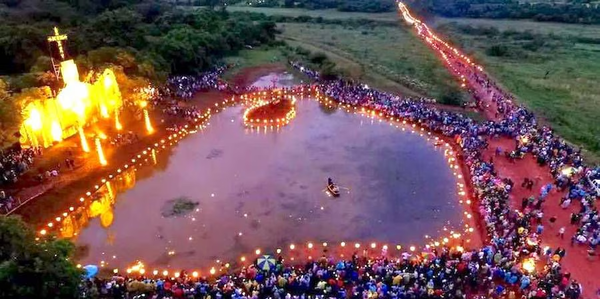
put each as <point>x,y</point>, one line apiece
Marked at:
<point>576,261</point>
<point>583,268</point>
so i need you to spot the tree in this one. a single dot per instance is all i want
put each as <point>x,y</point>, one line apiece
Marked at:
<point>119,27</point>
<point>35,269</point>
<point>317,58</point>
<point>452,96</point>
<point>497,51</point>
<point>129,86</point>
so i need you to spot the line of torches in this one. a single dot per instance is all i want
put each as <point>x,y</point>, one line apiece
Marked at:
<point>453,235</point>
<point>434,41</point>
<point>97,142</point>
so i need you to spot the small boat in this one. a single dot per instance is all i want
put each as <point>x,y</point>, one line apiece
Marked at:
<point>332,188</point>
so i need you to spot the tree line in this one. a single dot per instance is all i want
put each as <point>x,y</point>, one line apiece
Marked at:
<point>345,5</point>
<point>570,11</point>
<point>565,11</point>
<point>170,39</point>
<point>349,22</point>
<point>141,40</point>
<point>374,6</point>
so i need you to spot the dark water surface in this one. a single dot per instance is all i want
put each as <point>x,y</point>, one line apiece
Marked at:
<point>265,190</point>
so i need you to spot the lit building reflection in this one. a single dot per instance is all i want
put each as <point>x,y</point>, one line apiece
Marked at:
<point>101,204</point>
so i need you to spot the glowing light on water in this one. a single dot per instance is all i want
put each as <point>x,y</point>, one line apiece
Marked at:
<point>153,153</point>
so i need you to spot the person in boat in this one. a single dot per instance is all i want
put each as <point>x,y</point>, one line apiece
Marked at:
<point>332,188</point>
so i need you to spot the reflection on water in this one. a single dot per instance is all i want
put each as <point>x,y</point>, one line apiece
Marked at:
<point>100,205</point>
<point>264,189</point>
<point>275,80</point>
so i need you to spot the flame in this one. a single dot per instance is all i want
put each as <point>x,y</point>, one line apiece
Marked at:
<point>529,265</point>
<point>72,98</point>
<point>69,71</point>
<point>84,144</point>
<point>101,157</point>
<point>108,82</point>
<point>56,131</point>
<point>149,127</point>
<point>78,104</point>
<point>117,122</point>
<point>103,111</point>
<point>568,171</point>
<point>35,119</point>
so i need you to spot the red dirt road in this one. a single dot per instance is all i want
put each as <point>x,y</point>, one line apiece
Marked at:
<point>576,261</point>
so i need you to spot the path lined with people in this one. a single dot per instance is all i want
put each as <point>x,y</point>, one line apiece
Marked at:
<point>555,183</point>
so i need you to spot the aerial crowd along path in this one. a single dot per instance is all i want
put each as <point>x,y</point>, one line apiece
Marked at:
<point>498,105</point>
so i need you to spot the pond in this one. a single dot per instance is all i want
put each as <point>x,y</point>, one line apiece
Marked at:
<point>236,189</point>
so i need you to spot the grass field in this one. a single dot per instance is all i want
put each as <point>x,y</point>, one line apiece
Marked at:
<point>387,57</point>
<point>391,58</point>
<point>547,66</point>
<point>252,58</point>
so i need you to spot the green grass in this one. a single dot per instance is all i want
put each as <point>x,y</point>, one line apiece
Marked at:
<point>558,80</point>
<point>391,58</point>
<point>252,58</point>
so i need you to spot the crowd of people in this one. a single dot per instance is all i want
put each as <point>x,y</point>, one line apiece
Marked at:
<point>124,139</point>
<point>184,87</point>
<point>312,74</point>
<point>512,264</point>
<point>563,160</point>
<point>486,273</point>
<point>15,161</point>
<point>188,113</point>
